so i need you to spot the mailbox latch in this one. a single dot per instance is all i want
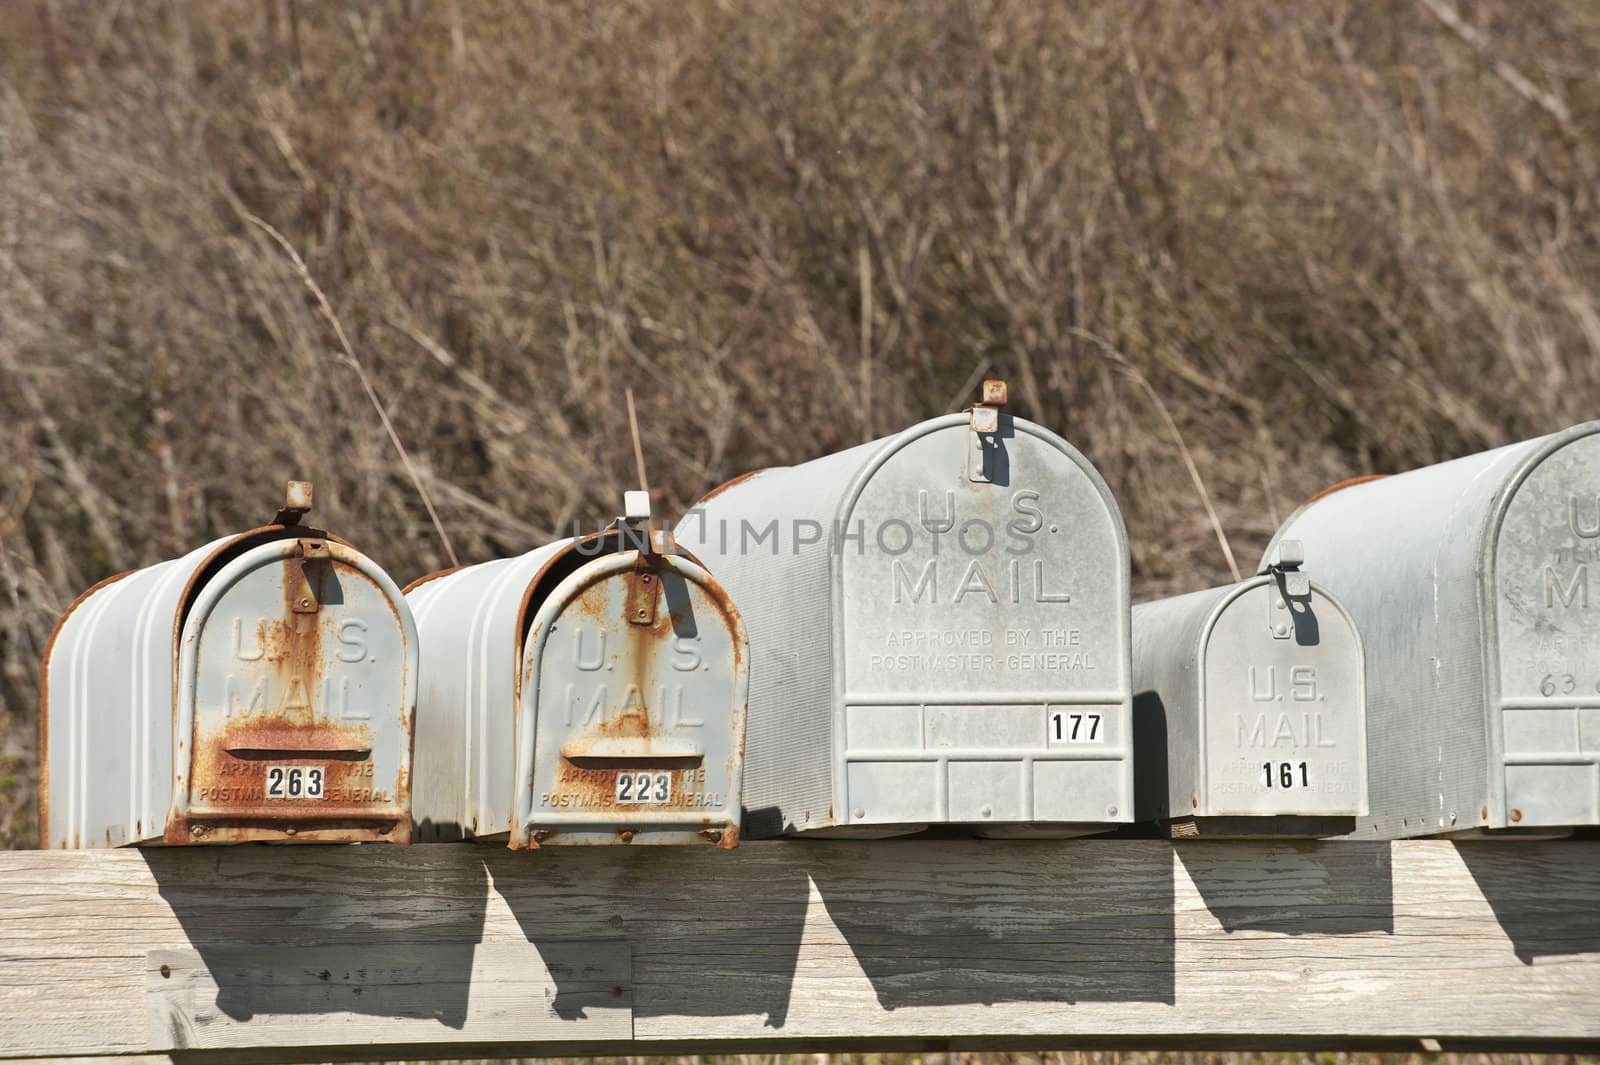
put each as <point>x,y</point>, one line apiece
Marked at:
<point>1292,591</point>
<point>983,446</point>
<point>643,581</point>
<point>306,567</point>
<point>296,502</point>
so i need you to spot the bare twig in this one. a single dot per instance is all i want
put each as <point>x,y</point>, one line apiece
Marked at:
<point>361,374</point>
<point>638,455</point>
<point>1546,101</point>
<point>1122,364</point>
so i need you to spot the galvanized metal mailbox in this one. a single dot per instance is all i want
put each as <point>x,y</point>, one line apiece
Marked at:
<point>1250,708</point>
<point>1470,583</point>
<point>589,691</point>
<point>260,688</point>
<point>939,629</point>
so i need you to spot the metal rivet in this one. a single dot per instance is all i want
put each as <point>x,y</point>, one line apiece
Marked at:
<point>1111,811</point>
<point>626,835</point>
<point>197,830</point>
<point>166,971</point>
<point>289,831</point>
<point>987,812</point>
<point>1516,815</point>
<point>858,812</point>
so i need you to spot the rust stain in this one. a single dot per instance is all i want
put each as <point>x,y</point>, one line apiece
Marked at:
<point>1349,483</point>
<point>724,486</point>
<point>426,577</point>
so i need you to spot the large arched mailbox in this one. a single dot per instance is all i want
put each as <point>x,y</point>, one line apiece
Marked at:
<point>939,629</point>
<point>589,691</point>
<point>1250,709</point>
<point>260,688</point>
<point>1471,584</point>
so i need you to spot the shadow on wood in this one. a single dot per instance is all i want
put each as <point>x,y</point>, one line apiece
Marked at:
<point>710,934</point>
<point>1055,922</point>
<point>248,930</point>
<point>1294,888</point>
<point>1537,894</point>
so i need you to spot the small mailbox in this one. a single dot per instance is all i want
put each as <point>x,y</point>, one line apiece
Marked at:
<point>1470,582</point>
<point>260,688</point>
<point>589,691</point>
<point>939,629</point>
<point>1249,709</point>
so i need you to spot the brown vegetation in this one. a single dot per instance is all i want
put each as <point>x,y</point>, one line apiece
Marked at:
<point>1332,238</point>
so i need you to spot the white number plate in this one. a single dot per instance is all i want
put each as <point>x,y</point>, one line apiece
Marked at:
<point>1076,726</point>
<point>295,781</point>
<point>644,787</point>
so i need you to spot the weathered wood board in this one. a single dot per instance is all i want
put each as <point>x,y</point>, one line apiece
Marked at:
<point>475,951</point>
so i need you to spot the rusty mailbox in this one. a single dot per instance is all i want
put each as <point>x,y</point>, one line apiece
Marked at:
<point>939,629</point>
<point>589,691</point>
<point>1250,708</point>
<point>1471,584</point>
<point>260,688</point>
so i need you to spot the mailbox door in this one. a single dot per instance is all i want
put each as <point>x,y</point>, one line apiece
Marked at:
<point>296,701</point>
<point>982,642</point>
<point>1283,706</point>
<point>1545,593</point>
<point>631,725</point>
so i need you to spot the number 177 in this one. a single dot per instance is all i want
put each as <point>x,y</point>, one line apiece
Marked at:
<point>1074,727</point>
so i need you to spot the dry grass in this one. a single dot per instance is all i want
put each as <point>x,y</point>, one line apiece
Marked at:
<point>1333,238</point>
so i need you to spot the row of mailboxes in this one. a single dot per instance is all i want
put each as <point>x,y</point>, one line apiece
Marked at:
<point>932,630</point>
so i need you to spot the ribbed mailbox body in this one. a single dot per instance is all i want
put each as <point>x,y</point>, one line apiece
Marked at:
<point>1249,711</point>
<point>939,629</point>
<point>260,688</point>
<point>1471,584</point>
<point>585,692</point>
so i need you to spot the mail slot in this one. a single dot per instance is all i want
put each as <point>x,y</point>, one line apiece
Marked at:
<point>260,688</point>
<point>1250,709</point>
<point>939,629</point>
<point>1470,582</point>
<point>589,691</point>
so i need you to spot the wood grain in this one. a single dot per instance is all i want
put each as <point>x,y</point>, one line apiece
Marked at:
<point>241,997</point>
<point>821,945</point>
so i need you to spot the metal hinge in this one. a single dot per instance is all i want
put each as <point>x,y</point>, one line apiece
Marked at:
<point>307,566</point>
<point>1292,593</point>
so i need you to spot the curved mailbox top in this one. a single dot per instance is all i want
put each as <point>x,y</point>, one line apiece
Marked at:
<point>261,687</point>
<point>592,691</point>
<point>922,610</point>
<point>1261,692</point>
<point>1470,581</point>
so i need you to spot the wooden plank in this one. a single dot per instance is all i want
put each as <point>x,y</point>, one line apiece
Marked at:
<point>244,997</point>
<point>841,944</point>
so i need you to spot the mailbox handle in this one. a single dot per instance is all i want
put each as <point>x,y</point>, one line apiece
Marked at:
<point>270,742</point>
<point>352,752</point>
<point>632,749</point>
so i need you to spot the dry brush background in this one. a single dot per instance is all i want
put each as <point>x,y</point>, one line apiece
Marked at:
<point>1330,238</point>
